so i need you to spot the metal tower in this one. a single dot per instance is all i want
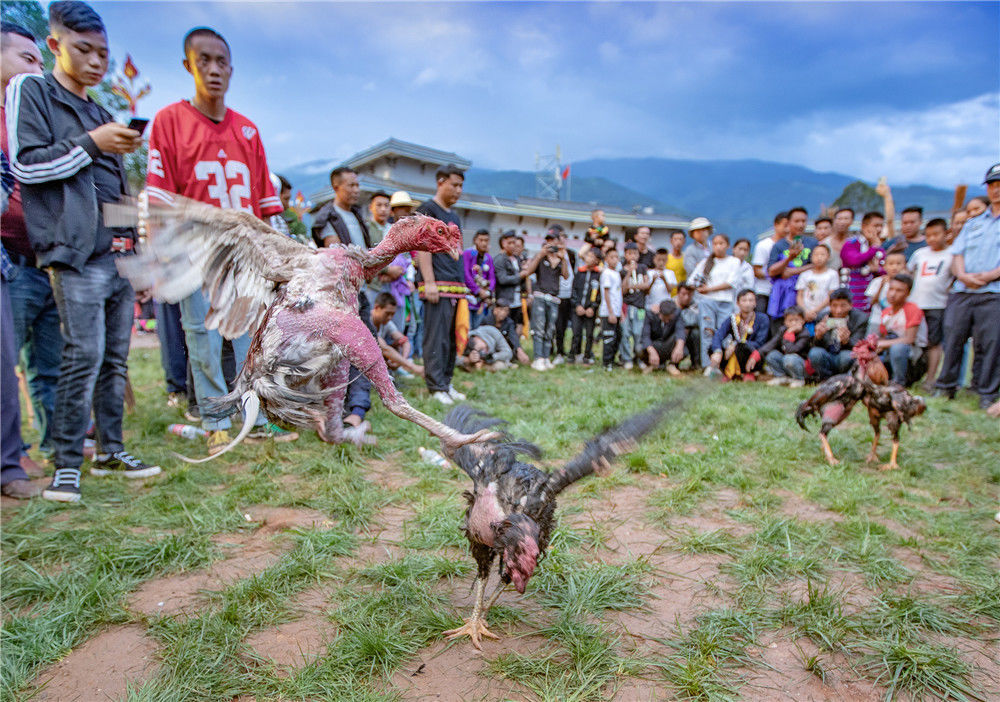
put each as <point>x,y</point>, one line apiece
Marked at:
<point>548,175</point>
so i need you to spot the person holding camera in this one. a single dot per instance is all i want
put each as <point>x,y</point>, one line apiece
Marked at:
<point>549,265</point>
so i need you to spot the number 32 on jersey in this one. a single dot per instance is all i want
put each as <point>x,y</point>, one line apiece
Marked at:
<point>229,184</point>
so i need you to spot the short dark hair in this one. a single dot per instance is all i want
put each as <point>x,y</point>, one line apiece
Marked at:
<point>793,311</point>
<point>718,234</point>
<point>598,254</point>
<point>668,307</point>
<point>509,234</point>
<point>337,172</point>
<point>204,32</point>
<point>821,244</point>
<point>379,193</point>
<point>285,185</point>
<point>740,294</point>
<point>895,253</point>
<point>446,172</point>
<point>385,299</point>
<point>914,208</point>
<point>905,279</point>
<point>845,209</point>
<point>12,28</point>
<point>687,286</point>
<point>780,217</point>
<point>841,294</point>
<point>677,231</point>
<point>661,252</point>
<point>801,209</point>
<point>822,219</point>
<point>870,216</point>
<point>520,238</point>
<point>936,222</point>
<point>742,241</point>
<point>481,232</point>
<point>75,16</point>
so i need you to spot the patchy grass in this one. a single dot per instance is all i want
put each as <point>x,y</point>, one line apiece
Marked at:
<point>895,573</point>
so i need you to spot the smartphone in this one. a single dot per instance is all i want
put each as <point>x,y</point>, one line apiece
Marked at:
<point>138,124</point>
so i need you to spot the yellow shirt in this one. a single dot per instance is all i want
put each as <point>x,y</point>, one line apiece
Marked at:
<point>676,264</point>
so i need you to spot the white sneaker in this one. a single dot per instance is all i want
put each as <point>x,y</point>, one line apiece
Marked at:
<point>778,380</point>
<point>539,364</point>
<point>455,394</point>
<point>627,365</point>
<point>797,383</point>
<point>443,397</point>
<point>549,365</point>
<point>559,360</point>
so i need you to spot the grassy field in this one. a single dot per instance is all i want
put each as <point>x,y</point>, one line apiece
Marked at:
<point>723,560</point>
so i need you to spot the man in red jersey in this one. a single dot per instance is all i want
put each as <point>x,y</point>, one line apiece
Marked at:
<point>204,151</point>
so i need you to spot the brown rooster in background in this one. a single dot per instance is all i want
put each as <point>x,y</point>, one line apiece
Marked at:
<point>896,405</point>
<point>300,305</point>
<point>512,504</point>
<point>835,397</point>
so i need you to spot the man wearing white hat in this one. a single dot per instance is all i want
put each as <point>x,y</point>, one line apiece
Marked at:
<point>699,230</point>
<point>401,205</point>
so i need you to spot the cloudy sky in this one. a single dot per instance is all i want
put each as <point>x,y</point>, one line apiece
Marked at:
<point>910,90</point>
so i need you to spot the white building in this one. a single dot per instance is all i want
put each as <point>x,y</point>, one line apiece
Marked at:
<point>398,165</point>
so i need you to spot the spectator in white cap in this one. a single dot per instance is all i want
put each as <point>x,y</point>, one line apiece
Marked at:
<point>401,205</point>
<point>697,251</point>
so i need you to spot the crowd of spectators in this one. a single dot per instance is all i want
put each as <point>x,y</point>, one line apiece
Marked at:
<point>788,308</point>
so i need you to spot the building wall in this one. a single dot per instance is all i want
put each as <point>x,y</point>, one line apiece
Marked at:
<point>414,174</point>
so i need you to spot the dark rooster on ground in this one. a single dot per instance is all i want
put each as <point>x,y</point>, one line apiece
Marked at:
<point>300,305</point>
<point>894,404</point>
<point>512,504</point>
<point>835,397</point>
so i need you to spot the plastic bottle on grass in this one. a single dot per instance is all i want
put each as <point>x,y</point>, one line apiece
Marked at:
<point>433,457</point>
<point>186,431</point>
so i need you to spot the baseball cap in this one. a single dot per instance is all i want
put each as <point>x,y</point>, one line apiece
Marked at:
<point>699,223</point>
<point>992,174</point>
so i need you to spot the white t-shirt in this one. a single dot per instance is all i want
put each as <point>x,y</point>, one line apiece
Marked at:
<point>745,280</point>
<point>932,277</point>
<point>353,226</point>
<point>817,286</point>
<point>761,253</point>
<point>660,290</point>
<point>725,271</point>
<point>611,293</point>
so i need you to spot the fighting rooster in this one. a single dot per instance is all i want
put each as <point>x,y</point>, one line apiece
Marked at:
<point>512,504</point>
<point>300,304</point>
<point>868,383</point>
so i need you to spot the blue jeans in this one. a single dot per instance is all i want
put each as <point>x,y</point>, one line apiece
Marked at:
<point>543,325</point>
<point>10,408</point>
<point>39,342</point>
<point>631,324</point>
<point>96,306</point>
<point>173,352</point>
<point>712,314</point>
<point>785,364</point>
<point>898,359</point>
<point>205,353</point>
<point>827,364</point>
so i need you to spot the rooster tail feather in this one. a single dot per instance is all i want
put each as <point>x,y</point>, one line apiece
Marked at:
<point>607,446</point>
<point>805,410</point>
<point>471,458</point>
<point>251,407</point>
<point>224,406</point>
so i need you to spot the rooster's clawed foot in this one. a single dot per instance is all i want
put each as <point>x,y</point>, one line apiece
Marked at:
<point>475,629</point>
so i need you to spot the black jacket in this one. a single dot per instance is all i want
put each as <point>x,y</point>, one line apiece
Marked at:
<point>857,325</point>
<point>507,328</point>
<point>327,214</point>
<point>587,289</point>
<point>799,345</point>
<point>508,274</point>
<point>51,155</point>
<point>654,330</point>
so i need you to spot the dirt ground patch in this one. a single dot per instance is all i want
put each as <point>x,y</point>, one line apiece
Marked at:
<point>384,534</point>
<point>245,554</point>
<point>298,642</point>
<point>101,668</point>
<point>798,507</point>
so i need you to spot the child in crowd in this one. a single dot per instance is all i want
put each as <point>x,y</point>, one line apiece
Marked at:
<point>662,281</point>
<point>635,284</point>
<point>714,279</point>
<point>394,344</point>
<point>902,333</point>
<point>877,291</point>
<point>739,338</point>
<point>741,249</point>
<point>586,304</point>
<point>611,309</point>
<point>815,285</point>
<point>931,270</point>
<point>785,354</point>
<point>675,257</point>
<point>688,312</point>
<point>837,331</point>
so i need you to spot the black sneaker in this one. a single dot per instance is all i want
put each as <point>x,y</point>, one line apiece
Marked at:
<point>122,463</point>
<point>65,486</point>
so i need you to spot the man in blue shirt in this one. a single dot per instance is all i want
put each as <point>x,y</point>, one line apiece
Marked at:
<point>974,304</point>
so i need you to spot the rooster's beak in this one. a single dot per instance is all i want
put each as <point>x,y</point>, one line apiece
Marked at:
<point>456,252</point>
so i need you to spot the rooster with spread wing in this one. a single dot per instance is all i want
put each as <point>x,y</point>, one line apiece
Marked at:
<point>300,304</point>
<point>512,504</point>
